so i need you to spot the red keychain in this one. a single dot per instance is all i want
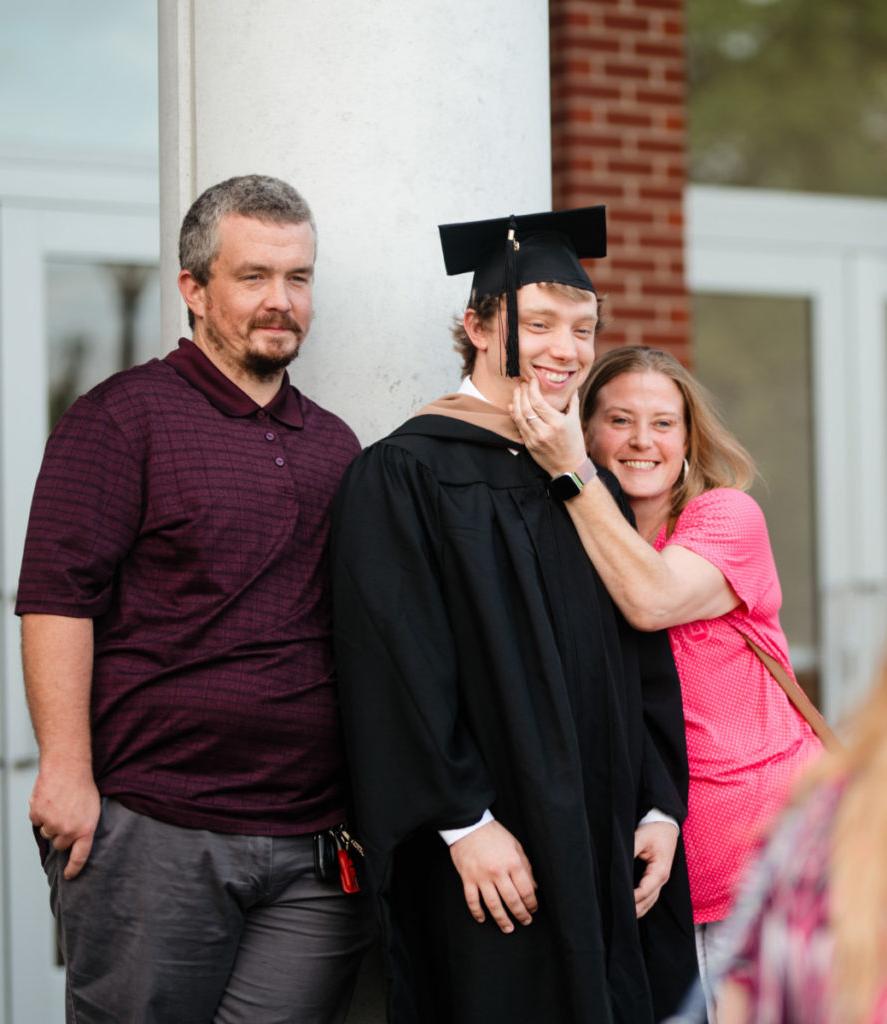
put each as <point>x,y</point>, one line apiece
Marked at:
<point>347,871</point>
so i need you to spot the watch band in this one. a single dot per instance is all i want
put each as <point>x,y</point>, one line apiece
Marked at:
<point>568,485</point>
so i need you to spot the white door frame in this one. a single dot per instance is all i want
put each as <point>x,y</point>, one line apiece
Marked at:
<point>49,215</point>
<point>833,252</point>
<point>866,619</point>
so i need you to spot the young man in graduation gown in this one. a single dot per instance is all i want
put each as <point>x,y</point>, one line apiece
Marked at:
<point>517,750</point>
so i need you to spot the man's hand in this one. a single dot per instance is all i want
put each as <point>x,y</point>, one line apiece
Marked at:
<point>655,844</point>
<point>493,866</point>
<point>57,658</point>
<point>65,806</point>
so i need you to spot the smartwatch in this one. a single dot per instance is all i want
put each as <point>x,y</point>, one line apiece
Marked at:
<point>568,485</point>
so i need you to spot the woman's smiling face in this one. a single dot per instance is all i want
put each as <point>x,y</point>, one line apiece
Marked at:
<point>638,432</point>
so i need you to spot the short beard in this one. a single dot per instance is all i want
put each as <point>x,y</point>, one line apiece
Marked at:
<point>264,367</point>
<point>257,365</point>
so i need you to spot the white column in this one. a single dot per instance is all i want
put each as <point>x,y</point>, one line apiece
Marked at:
<point>390,117</point>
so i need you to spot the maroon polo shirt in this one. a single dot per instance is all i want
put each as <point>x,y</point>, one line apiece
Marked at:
<point>191,525</point>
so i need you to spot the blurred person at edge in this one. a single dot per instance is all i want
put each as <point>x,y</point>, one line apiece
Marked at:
<point>699,564</point>
<point>809,933</point>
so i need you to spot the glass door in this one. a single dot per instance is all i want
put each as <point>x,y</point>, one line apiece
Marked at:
<point>78,300</point>
<point>790,322</point>
<point>755,353</point>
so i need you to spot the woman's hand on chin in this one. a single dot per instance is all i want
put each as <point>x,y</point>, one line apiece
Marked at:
<point>553,438</point>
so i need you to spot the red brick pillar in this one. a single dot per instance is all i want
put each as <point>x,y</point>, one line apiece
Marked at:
<point>618,92</point>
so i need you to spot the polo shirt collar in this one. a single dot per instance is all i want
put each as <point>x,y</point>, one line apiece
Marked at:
<point>189,362</point>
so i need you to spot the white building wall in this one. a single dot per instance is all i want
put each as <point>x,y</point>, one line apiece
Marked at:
<point>390,117</point>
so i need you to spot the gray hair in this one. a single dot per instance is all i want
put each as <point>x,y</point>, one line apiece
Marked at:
<point>251,195</point>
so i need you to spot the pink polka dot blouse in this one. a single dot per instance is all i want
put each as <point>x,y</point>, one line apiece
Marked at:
<point>745,741</point>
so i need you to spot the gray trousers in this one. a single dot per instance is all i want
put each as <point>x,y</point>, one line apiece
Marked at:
<point>169,925</point>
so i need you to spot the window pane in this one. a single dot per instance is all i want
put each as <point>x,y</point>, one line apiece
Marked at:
<point>79,77</point>
<point>753,353</point>
<point>764,77</point>
<point>101,318</point>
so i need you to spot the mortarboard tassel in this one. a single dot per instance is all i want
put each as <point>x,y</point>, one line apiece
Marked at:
<point>512,353</point>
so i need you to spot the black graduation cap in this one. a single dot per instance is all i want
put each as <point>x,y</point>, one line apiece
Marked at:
<point>508,252</point>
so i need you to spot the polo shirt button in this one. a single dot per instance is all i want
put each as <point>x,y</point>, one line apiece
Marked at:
<point>261,414</point>
<point>270,435</point>
<point>280,461</point>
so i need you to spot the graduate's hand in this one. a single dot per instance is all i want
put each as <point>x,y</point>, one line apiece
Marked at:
<point>655,844</point>
<point>553,438</point>
<point>494,868</point>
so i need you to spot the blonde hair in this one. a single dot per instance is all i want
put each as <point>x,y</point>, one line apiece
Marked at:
<point>857,872</point>
<point>714,457</point>
<point>488,306</point>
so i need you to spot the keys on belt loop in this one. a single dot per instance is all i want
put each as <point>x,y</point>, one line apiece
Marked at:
<point>345,843</point>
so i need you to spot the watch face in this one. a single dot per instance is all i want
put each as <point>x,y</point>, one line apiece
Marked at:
<point>564,487</point>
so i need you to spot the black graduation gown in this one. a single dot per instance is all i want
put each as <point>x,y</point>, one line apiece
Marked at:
<point>481,663</point>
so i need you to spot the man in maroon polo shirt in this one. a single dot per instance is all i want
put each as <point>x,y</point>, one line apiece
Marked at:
<point>176,645</point>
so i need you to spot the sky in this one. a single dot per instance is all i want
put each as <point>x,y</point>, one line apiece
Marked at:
<point>79,76</point>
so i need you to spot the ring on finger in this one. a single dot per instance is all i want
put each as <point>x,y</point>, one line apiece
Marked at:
<point>45,834</point>
<point>532,416</point>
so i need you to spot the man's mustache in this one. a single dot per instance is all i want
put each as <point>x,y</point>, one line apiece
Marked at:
<point>286,323</point>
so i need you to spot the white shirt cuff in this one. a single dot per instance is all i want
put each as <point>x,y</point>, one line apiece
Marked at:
<point>453,835</point>
<point>654,814</point>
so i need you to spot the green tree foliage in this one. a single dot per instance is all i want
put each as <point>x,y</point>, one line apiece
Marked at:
<point>789,94</point>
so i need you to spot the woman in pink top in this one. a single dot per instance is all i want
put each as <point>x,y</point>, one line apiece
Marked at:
<point>699,564</point>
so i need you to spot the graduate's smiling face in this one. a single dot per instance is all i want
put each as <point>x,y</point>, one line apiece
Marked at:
<point>556,328</point>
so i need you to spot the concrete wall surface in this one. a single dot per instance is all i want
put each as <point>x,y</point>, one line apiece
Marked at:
<point>390,117</point>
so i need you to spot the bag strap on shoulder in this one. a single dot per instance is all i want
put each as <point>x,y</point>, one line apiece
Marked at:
<point>802,703</point>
